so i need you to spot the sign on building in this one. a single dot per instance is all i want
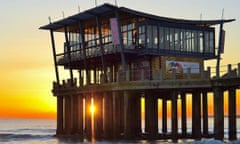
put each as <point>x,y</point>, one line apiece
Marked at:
<point>115,33</point>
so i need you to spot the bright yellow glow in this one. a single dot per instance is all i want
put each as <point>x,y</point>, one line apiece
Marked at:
<point>92,109</point>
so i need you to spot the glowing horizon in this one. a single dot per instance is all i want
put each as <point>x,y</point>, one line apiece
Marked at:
<point>27,69</point>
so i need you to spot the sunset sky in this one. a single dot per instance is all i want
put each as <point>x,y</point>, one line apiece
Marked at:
<point>26,63</point>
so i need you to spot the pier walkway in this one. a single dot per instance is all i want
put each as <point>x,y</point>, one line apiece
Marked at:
<point>118,104</point>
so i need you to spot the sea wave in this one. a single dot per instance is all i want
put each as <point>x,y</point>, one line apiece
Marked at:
<point>7,137</point>
<point>31,131</point>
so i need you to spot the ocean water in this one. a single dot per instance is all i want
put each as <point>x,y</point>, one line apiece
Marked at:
<point>42,131</point>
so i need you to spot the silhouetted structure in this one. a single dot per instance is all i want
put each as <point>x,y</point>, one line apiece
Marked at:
<point>116,56</point>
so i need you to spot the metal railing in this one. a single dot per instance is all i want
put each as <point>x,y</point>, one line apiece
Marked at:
<point>227,71</point>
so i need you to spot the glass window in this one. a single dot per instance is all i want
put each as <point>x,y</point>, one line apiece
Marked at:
<point>149,37</point>
<point>155,37</point>
<point>167,38</point>
<point>206,42</point>
<point>211,42</point>
<point>171,38</point>
<point>161,37</point>
<point>141,40</point>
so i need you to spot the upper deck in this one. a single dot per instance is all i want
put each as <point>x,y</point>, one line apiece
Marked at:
<point>89,36</point>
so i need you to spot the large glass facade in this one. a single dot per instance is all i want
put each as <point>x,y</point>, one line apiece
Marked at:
<point>146,36</point>
<point>177,40</point>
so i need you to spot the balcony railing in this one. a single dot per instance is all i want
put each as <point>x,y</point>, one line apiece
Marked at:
<point>77,54</point>
<point>227,71</point>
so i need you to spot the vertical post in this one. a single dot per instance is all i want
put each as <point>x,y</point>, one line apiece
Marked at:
<point>238,70</point>
<point>80,116</point>
<point>68,54</point>
<point>98,115</point>
<point>205,113</point>
<point>218,113</point>
<point>196,115</point>
<point>219,50</point>
<point>75,112</point>
<point>102,48</point>
<point>82,39</point>
<point>164,115</point>
<point>151,115</point>
<point>184,114</point>
<point>88,124</point>
<point>108,115</point>
<point>132,116</point>
<point>232,114</point>
<point>209,72</point>
<point>174,117</point>
<point>68,115</point>
<point>121,41</point>
<point>54,56</point>
<point>59,115</point>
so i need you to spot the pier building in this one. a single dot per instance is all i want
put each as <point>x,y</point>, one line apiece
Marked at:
<point>119,58</point>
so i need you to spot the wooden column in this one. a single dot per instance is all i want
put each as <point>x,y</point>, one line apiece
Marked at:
<point>232,114</point>
<point>68,54</point>
<point>59,115</point>
<point>205,113</point>
<point>196,115</point>
<point>164,115</point>
<point>184,114</point>
<point>75,114</point>
<point>54,56</point>
<point>80,115</point>
<point>132,116</point>
<point>151,115</point>
<point>108,116</point>
<point>98,115</point>
<point>68,114</point>
<point>118,114</point>
<point>88,122</point>
<point>174,116</point>
<point>218,113</point>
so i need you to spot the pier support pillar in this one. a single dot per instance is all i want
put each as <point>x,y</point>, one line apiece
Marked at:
<point>80,115</point>
<point>75,112</point>
<point>151,115</point>
<point>205,113</point>
<point>174,116</point>
<point>196,115</point>
<point>232,114</point>
<point>218,113</point>
<point>59,115</point>
<point>88,119</point>
<point>164,115</point>
<point>118,114</point>
<point>108,116</point>
<point>184,114</point>
<point>132,116</point>
<point>68,114</point>
<point>98,115</point>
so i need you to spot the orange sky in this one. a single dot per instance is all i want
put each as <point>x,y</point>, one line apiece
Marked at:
<point>26,63</point>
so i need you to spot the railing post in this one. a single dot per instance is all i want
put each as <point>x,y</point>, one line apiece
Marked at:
<point>142,74</point>
<point>117,78</point>
<point>229,69</point>
<point>238,74</point>
<point>209,72</point>
<point>127,74</point>
<point>202,73</point>
<point>160,74</point>
<point>188,73</point>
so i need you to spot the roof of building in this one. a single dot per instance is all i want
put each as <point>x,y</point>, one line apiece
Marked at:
<point>106,8</point>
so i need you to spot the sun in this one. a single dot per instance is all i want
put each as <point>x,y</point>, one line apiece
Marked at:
<point>92,109</point>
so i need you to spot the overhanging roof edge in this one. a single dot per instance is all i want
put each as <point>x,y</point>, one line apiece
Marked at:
<point>85,15</point>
